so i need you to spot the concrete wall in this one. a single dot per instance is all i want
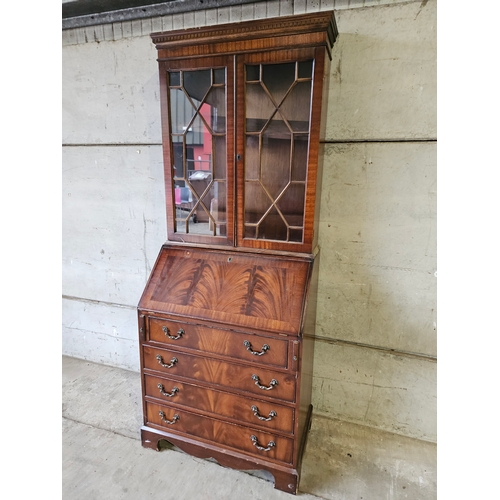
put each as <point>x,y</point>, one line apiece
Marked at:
<point>375,358</point>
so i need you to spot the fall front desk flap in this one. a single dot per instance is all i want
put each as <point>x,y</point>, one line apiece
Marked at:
<point>237,289</point>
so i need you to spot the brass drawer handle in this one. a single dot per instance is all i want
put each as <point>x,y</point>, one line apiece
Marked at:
<point>166,331</point>
<point>273,383</point>
<point>272,414</point>
<point>270,445</point>
<point>165,365</point>
<point>170,422</point>
<point>168,394</point>
<point>248,345</point>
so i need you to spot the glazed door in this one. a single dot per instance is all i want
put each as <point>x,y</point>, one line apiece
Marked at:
<point>198,138</point>
<point>277,133</point>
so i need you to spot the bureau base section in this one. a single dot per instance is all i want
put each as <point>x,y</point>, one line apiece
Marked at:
<point>285,478</point>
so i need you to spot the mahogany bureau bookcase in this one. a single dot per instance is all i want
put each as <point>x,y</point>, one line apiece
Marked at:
<point>226,320</point>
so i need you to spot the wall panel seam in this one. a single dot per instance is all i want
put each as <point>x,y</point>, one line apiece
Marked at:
<point>317,338</point>
<point>387,350</point>
<point>111,144</point>
<point>98,302</point>
<point>361,141</point>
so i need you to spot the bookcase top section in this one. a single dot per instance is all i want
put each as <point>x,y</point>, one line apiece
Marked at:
<point>306,30</point>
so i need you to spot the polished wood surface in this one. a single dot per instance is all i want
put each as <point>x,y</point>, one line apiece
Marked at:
<point>286,220</point>
<point>240,289</point>
<point>314,29</point>
<point>227,317</point>
<point>201,339</point>
<point>231,435</point>
<point>221,373</point>
<point>286,476</point>
<point>219,404</point>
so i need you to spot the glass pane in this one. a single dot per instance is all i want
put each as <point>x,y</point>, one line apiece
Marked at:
<point>277,128</point>
<point>175,79</point>
<point>203,206</point>
<point>197,83</point>
<point>276,149</point>
<point>305,69</point>
<point>272,227</point>
<point>297,105</point>
<point>256,201</point>
<point>217,202</point>
<point>299,160</point>
<point>178,152</point>
<point>295,235</point>
<point>278,78</point>
<point>219,76</point>
<point>275,164</point>
<point>181,111</point>
<point>219,157</point>
<point>216,102</point>
<point>253,73</point>
<point>250,232</point>
<point>252,158</point>
<point>291,204</point>
<point>259,108</point>
<point>183,206</point>
<point>194,131</point>
<point>199,181</point>
<point>198,147</point>
<point>198,111</point>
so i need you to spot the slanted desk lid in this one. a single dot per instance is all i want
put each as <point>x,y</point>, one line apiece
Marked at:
<point>264,292</point>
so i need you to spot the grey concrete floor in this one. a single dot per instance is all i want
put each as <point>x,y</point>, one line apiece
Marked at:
<point>103,458</point>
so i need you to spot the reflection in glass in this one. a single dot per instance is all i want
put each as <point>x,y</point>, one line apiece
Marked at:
<point>181,110</point>
<point>219,76</point>
<point>299,159</point>
<point>216,98</point>
<point>278,107</point>
<point>298,116</point>
<point>253,73</point>
<point>257,202</point>
<point>219,157</point>
<point>252,158</point>
<point>291,203</point>
<point>197,83</point>
<point>275,163</point>
<point>174,79</point>
<point>198,138</point>
<point>278,78</point>
<point>272,226</point>
<point>305,69</point>
<point>259,107</point>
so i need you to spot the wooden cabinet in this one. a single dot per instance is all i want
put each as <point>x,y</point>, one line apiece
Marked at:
<point>226,321</point>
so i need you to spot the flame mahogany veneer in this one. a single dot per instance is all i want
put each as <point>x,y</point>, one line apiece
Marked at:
<point>226,320</point>
<point>216,328</point>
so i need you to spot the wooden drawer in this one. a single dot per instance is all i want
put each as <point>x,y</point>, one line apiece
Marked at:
<point>221,404</point>
<point>225,374</point>
<point>222,433</point>
<point>269,351</point>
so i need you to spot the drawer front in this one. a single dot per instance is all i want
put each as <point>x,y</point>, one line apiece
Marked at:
<point>268,351</point>
<point>222,433</point>
<point>221,404</point>
<point>252,379</point>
